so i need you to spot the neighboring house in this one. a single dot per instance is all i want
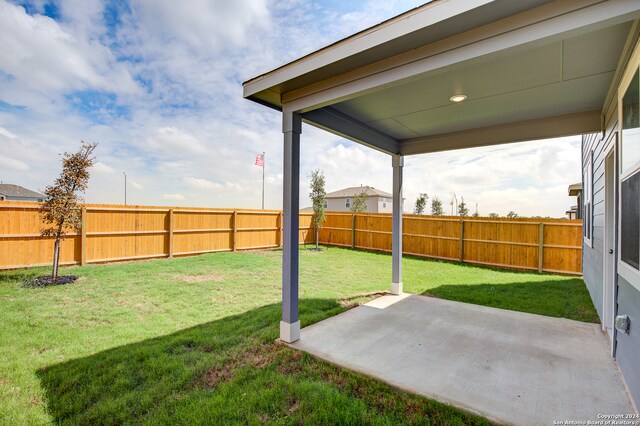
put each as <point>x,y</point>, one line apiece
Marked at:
<point>575,212</point>
<point>341,201</point>
<point>11,192</point>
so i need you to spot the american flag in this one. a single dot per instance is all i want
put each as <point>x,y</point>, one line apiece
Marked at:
<point>260,160</point>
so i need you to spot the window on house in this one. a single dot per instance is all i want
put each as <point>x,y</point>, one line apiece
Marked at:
<point>630,176</point>
<point>325,204</point>
<point>384,205</point>
<point>587,220</point>
<point>347,203</point>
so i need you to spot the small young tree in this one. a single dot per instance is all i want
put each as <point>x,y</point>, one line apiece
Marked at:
<point>463,210</point>
<point>318,196</point>
<point>61,208</point>
<point>421,203</point>
<point>436,207</point>
<point>359,203</point>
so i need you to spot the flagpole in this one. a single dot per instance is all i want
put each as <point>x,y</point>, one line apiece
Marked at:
<point>263,180</point>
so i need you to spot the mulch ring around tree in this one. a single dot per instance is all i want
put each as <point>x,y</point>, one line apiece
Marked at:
<point>49,281</point>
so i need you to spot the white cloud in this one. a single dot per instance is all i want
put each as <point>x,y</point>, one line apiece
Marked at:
<point>201,23</point>
<point>174,197</point>
<point>176,142</point>
<point>136,185</point>
<point>100,167</point>
<point>41,55</point>
<point>12,163</point>
<point>201,183</point>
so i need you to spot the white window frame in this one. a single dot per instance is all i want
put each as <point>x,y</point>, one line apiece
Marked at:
<point>587,213</point>
<point>626,271</point>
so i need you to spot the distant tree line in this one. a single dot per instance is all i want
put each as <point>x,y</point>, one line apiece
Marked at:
<point>461,208</point>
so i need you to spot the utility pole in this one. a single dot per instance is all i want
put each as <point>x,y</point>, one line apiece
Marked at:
<point>125,188</point>
<point>260,162</point>
<point>454,205</point>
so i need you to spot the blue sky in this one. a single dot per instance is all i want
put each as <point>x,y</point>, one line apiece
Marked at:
<point>157,83</point>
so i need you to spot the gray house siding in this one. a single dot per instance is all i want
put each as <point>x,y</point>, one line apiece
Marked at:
<point>628,345</point>
<point>9,198</point>
<point>592,268</point>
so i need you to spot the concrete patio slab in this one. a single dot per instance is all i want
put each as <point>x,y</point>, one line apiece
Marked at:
<point>510,367</point>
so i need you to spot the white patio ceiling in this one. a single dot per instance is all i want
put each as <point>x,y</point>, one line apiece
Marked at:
<point>530,69</point>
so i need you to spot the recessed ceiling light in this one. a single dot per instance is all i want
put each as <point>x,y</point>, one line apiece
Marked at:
<point>458,98</point>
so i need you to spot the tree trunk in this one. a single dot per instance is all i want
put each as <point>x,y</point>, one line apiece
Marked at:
<point>317,232</point>
<point>56,260</point>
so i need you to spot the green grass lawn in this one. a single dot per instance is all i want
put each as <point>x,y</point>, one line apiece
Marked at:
<point>191,340</point>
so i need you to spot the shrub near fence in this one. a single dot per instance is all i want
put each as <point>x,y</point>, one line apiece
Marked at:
<point>114,233</point>
<point>544,245</point>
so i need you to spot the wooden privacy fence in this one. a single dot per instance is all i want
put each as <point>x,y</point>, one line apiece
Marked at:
<point>114,233</point>
<point>543,245</point>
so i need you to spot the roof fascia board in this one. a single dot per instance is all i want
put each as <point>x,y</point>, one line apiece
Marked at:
<point>622,64</point>
<point>528,130</point>
<point>399,26</point>
<point>546,24</point>
<point>343,125</point>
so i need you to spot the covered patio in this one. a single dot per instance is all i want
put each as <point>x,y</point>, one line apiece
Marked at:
<point>510,367</point>
<point>450,75</point>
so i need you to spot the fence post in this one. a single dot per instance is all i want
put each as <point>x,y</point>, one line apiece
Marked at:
<point>540,246</point>
<point>279,231</point>
<point>462,240</point>
<point>170,233</point>
<point>83,236</point>
<point>235,230</point>
<point>353,230</point>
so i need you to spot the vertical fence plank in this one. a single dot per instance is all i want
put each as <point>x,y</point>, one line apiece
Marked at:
<point>462,240</point>
<point>234,227</point>
<point>83,236</point>
<point>353,231</point>
<point>171,228</point>
<point>279,231</point>
<point>540,247</point>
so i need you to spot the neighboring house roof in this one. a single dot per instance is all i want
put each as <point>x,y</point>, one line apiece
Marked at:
<point>357,190</point>
<point>575,189</point>
<point>10,190</point>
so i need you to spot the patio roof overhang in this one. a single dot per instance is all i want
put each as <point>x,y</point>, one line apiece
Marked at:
<point>530,69</point>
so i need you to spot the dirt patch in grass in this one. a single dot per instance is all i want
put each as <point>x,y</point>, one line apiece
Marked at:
<point>257,356</point>
<point>219,374</point>
<point>198,278</point>
<point>294,404</point>
<point>128,304</point>
<point>290,363</point>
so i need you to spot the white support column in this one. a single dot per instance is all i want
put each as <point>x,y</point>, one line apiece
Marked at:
<point>290,324</point>
<point>397,161</point>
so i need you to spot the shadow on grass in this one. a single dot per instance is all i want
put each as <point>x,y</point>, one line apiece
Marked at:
<point>564,298</point>
<point>229,371</point>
